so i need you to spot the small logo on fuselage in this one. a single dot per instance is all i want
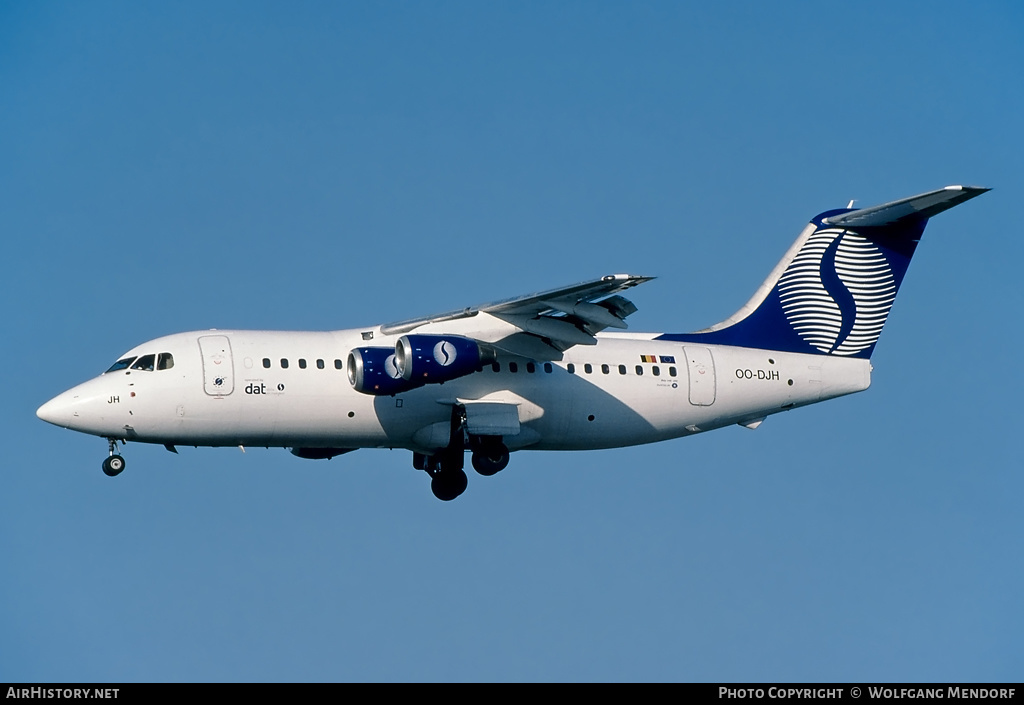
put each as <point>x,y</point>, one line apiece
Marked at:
<point>258,388</point>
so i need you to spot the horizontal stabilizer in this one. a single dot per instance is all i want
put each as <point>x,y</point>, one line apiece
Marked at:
<point>916,207</point>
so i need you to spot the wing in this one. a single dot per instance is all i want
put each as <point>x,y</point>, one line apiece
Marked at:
<point>558,319</point>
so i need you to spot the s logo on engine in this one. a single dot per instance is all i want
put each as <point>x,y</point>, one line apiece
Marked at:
<point>444,353</point>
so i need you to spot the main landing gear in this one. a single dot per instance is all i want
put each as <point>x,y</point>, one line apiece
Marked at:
<point>113,465</point>
<point>447,478</point>
<point>490,456</point>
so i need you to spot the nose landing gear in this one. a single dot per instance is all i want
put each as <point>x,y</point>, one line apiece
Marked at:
<point>113,465</point>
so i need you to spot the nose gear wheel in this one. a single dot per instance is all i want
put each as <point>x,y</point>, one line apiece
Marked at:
<point>114,464</point>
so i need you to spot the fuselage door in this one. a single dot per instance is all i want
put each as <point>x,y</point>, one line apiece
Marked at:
<point>218,370</point>
<point>701,369</point>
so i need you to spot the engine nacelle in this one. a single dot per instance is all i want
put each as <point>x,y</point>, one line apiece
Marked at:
<point>373,371</point>
<point>432,359</point>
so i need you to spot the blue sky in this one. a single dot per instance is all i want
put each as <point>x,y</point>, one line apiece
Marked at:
<point>331,165</point>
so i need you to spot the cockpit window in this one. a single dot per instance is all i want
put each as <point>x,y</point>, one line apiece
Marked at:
<point>121,364</point>
<point>164,361</point>
<point>145,362</point>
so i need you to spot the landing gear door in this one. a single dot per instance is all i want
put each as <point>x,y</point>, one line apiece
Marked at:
<point>218,370</point>
<point>701,369</point>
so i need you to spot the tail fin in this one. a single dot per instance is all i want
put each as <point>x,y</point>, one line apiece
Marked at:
<point>832,291</point>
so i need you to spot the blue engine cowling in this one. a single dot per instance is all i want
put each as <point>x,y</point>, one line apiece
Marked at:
<point>373,371</point>
<point>432,359</point>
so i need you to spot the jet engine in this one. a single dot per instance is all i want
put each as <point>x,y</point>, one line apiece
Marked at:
<point>373,371</point>
<point>433,359</point>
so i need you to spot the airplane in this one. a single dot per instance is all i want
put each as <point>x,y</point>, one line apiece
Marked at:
<point>535,372</point>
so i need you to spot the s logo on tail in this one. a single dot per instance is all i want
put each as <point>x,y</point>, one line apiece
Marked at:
<point>837,292</point>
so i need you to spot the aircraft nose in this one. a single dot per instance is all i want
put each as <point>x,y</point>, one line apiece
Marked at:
<point>85,408</point>
<point>55,411</point>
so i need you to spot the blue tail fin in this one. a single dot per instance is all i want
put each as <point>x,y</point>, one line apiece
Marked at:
<point>831,293</point>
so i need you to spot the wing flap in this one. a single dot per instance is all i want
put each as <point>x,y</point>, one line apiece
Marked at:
<point>552,328</point>
<point>529,345</point>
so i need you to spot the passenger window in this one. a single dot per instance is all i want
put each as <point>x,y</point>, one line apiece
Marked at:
<point>338,365</point>
<point>165,361</point>
<point>588,368</point>
<point>547,367</point>
<point>639,370</point>
<point>302,363</point>
<point>121,364</point>
<point>570,368</point>
<point>284,363</point>
<point>513,367</point>
<point>145,363</point>
<point>656,371</point>
<point>531,368</point>
<point>319,364</point>
<point>496,366</point>
<point>266,362</point>
<point>605,369</point>
<point>622,369</point>
<point>671,371</point>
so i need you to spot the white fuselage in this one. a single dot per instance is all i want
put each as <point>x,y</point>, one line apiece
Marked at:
<point>290,389</point>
